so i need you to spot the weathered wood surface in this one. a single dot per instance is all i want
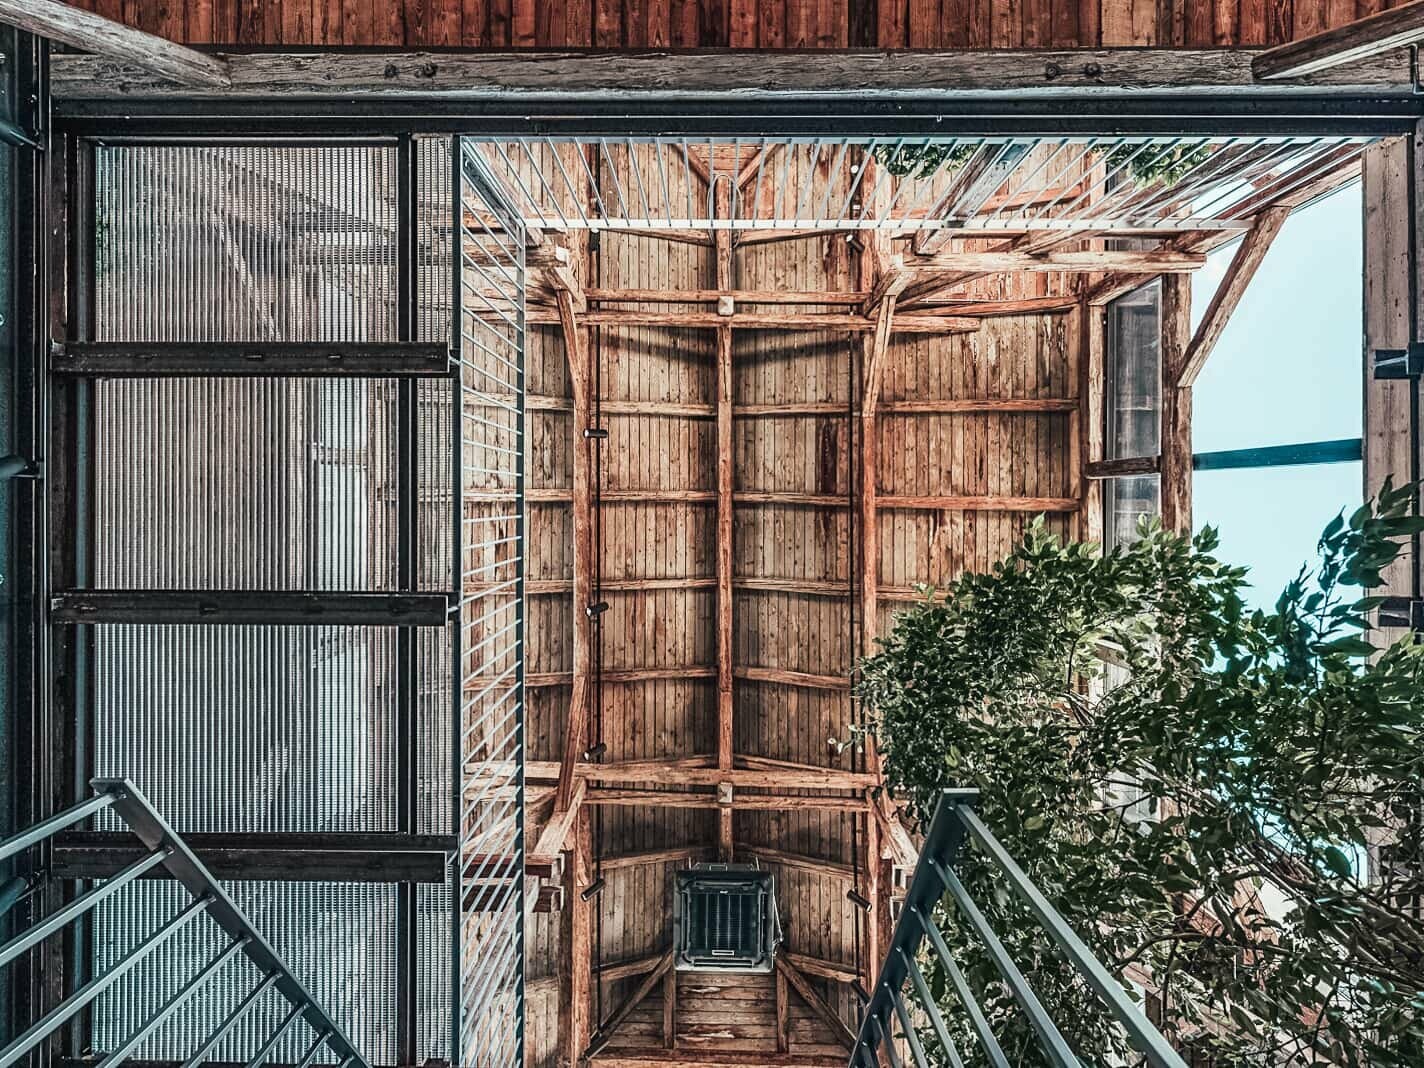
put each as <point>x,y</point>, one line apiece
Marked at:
<point>801,24</point>
<point>1370,36</point>
<point>1389,319</point>
<point>116,42</point>
<point>628,75</point>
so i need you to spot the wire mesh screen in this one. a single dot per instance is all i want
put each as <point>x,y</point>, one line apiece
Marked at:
<point>924,183</point>
<point>339,939</point>
<point>489,658</point>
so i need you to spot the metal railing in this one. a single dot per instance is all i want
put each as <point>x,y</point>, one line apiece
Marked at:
<point>935,880</point>
<point>166,855</point>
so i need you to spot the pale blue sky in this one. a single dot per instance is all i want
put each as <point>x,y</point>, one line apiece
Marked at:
<point>1287,369</point>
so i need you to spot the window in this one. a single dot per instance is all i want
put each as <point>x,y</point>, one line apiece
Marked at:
<point>1133,407</point>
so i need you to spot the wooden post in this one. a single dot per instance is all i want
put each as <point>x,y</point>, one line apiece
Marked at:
<point>1091,387</point>
<point>1391,431</point>
<point>723,242</point>
<point>1176,477</point>
<point>670,1009</point>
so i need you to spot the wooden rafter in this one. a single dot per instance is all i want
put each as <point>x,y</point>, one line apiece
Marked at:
<point>1155,261</point>
<point>94,33</point>
<point>771,802</point>
<point>1375,35</point>
<point>633,1000</point>
<point>576,350</point>
<point>818,1005</point>
<point>553,839</point>
<point>1224,301</point>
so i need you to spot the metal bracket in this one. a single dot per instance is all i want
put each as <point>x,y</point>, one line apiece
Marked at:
<point>1414,70</point>
<point>1402,612</point>
<point>20,467</point>
<point>595,433</point>
<point>1398,364</point>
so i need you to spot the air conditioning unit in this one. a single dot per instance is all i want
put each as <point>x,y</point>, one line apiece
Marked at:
<point>725,919</point>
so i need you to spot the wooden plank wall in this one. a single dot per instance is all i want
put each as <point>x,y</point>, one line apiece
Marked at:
<point>768,24</point>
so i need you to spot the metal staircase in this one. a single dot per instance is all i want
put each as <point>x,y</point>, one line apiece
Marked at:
<point>902,1014</point>
<point>275,1015</point>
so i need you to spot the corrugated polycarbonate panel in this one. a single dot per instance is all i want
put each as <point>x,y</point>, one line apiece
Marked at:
<point>245,484</point>
<point>246,729</point>
<point>490,661</point>
<point>432,950</point>
<point>245,243</point>
<point>339,939</point>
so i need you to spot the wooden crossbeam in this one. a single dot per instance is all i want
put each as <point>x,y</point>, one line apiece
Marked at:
<point>1115,285</point>
<point>802,321</point>
<point>1363,38</point>
<point>700,771</point>
<point>819,866</point>
<point>553,839</point>
<point>1224,301</point>
<point>1155,261</point>
<point>831,298</point>
<point>602,795</point>
<point>94,33</point>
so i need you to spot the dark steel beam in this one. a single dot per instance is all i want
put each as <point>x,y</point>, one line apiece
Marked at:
<point>116,359</point>
<point>290,608</point>
<point>362,858</point>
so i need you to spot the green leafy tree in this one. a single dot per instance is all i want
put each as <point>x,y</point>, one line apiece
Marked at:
<point>1228,809</point>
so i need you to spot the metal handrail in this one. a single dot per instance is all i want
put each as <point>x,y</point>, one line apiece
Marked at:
<point>934,880</point>
<point>166,850</point>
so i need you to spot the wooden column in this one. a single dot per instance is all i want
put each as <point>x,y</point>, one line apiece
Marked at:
<point>1392,173</point>
<point>1176,476</point>
<point>1091,386</point>
<point>722,240</point>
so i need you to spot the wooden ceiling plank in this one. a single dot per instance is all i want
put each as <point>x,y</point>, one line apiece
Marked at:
<point>1361,39</point>
<point>115,41</point>
<point>1249,256</point>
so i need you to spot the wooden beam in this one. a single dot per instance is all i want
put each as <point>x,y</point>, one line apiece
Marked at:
<point>820,866</point>
<point>1091,428</point>
<point>722,199</point>
<point>1361,39</point>
<point>553,839</point>
<point>1176,475</point>
<point>1224,301</point>
<point>115,41</point>
<point>1115,285</point>
<point>830,298</point>
<point>1154,261</point>
<point>613,971</point>
<point>835,79</point>
<point>808,994</point>
<point>710,320</point>
<point>649,857</point>
<point>895,841</point>
<point>1135,465</point>
<point>602,795</point>
<point>836,973</point>
<point>993,308</point>
<point>576,726</point>
<point>626,1009</point>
